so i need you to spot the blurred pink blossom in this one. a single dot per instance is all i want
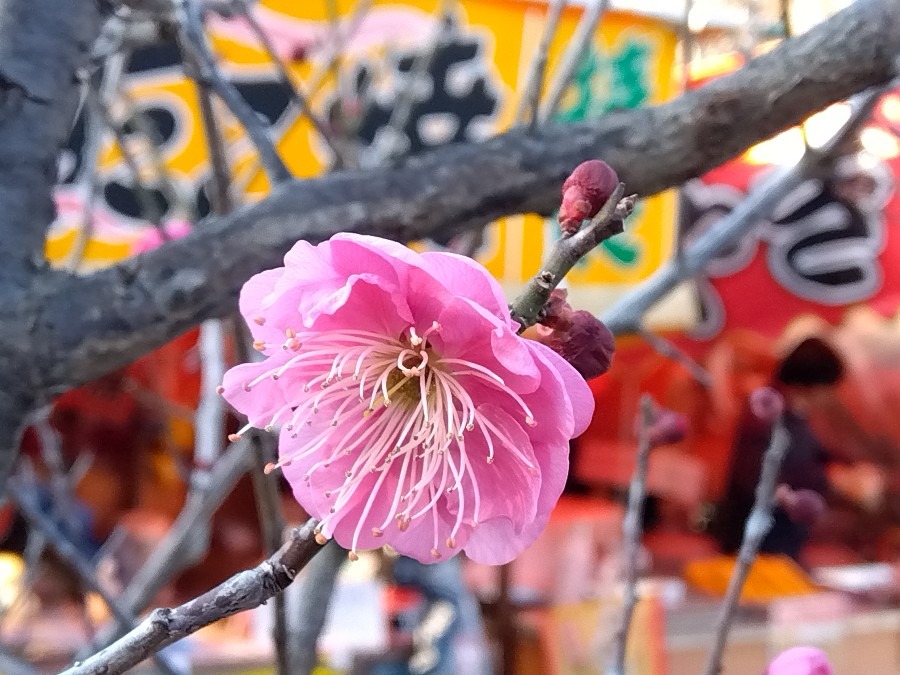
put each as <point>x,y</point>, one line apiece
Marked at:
<point>411,412</point>
<point>151,238</point>
<point>800,661</point>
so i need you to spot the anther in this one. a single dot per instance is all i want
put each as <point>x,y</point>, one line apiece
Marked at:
<point>377,532</point>
<point>290,333</point>
<point>234,438</point>
<point>435,553</point>
<point>259,345</point>
<point>353,556</point>
<point>259,320</point>
<point>321,540</point>
<point>269,468</point>
<point>451,542</point>
<point>220,389</point>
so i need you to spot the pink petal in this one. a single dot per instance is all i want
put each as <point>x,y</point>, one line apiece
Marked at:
<point>571,386</point>
<point>507,486</point>
<point>266,398</point>
<point>470,332</point>
<point>467,278</point>
<point>496,542</point>
<point>366,302</point>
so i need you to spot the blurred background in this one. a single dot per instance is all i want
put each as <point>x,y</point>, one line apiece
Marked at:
<point>126,465</point>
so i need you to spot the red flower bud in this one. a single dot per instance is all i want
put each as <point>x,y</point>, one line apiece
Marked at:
<point>767,404</point>
<point>585,192</point>
<point>576,335</point>
<point>666,428</point>
<point>804,507</point>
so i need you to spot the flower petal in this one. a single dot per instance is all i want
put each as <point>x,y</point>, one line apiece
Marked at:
<point>467,278</point>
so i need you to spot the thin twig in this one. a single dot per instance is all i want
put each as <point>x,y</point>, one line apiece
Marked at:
<point>571,59</point>
<point>191,24</point>
<point>671,351</point>
<point>317,588</point>
<point>209,422</point>
<point>300,99</point>
<point>632,528</point>
<point>268,507</point>
<point>627,313</point>
<point>168,558</point>
<point>352,23</point>
<point>529,103</point>
<point>220,197</point>
<point>150,208</point>
<point>755,530</point>
<point>408,95</point>
<point>22,495</point>
<point>93,142</point>
<point>245,590</point>
<point>567,251</point>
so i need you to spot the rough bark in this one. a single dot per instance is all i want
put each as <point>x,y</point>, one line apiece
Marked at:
<point>108,319</point>
<point>40,54</point>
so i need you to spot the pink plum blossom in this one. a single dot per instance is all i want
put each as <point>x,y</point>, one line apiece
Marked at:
<point>410,411</point>
<point>800,661</point>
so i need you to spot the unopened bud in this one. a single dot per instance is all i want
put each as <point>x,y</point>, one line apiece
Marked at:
<point>804,507</point>
<point>766,404</point>
<point>576,335</point>
<point>585,192</point>
<point>666,427</point>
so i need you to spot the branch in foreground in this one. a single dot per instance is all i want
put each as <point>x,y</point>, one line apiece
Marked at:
<point>632,527</point>
<point>245,590</point>
<point>757,527</point>
<point>567,251</point>
<point>74,558</point>
<point>308,618</point>
<point>88,326</point>
<point>628,312</point>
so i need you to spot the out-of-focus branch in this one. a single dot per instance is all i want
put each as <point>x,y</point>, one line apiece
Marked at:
<point>23,496</point>
<point>632,529</point>
<point>626,315</point>
<point>191,24</point>
<point>671,351</point>
<point>529,103</point>
<point>245,590</point>
<point>315,597</point>
<point>755,530</point>
<point>567,251</point>
<point>573,56</point>
<point>169,557</point>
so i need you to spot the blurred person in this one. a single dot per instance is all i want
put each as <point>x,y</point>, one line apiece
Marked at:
<point>807,379</point>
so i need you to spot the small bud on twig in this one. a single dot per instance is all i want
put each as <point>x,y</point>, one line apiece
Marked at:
<point>804,507</point>
<point>766,404</point>
<point>576,335</point>
<point>666,426</point>
<point>585,192</point>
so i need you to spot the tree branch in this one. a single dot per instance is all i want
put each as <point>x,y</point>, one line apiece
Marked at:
<point>245,590</point>
<point>755,530</point>
<point>91,325</point>
<point>39,58</point>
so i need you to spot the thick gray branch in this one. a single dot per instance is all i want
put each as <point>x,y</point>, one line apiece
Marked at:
<point>92,325</point>
<point>42,44</point>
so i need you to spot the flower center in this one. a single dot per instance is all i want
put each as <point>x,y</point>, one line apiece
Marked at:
<point>396,408</point>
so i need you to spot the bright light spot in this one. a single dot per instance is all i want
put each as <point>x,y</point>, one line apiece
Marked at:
<point>823,125</point>
<point>879,143</point>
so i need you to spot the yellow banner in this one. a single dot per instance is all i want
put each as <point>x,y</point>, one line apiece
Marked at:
<point>482,55</point>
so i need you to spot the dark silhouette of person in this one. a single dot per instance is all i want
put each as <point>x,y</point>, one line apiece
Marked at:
<point>805,377</point>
